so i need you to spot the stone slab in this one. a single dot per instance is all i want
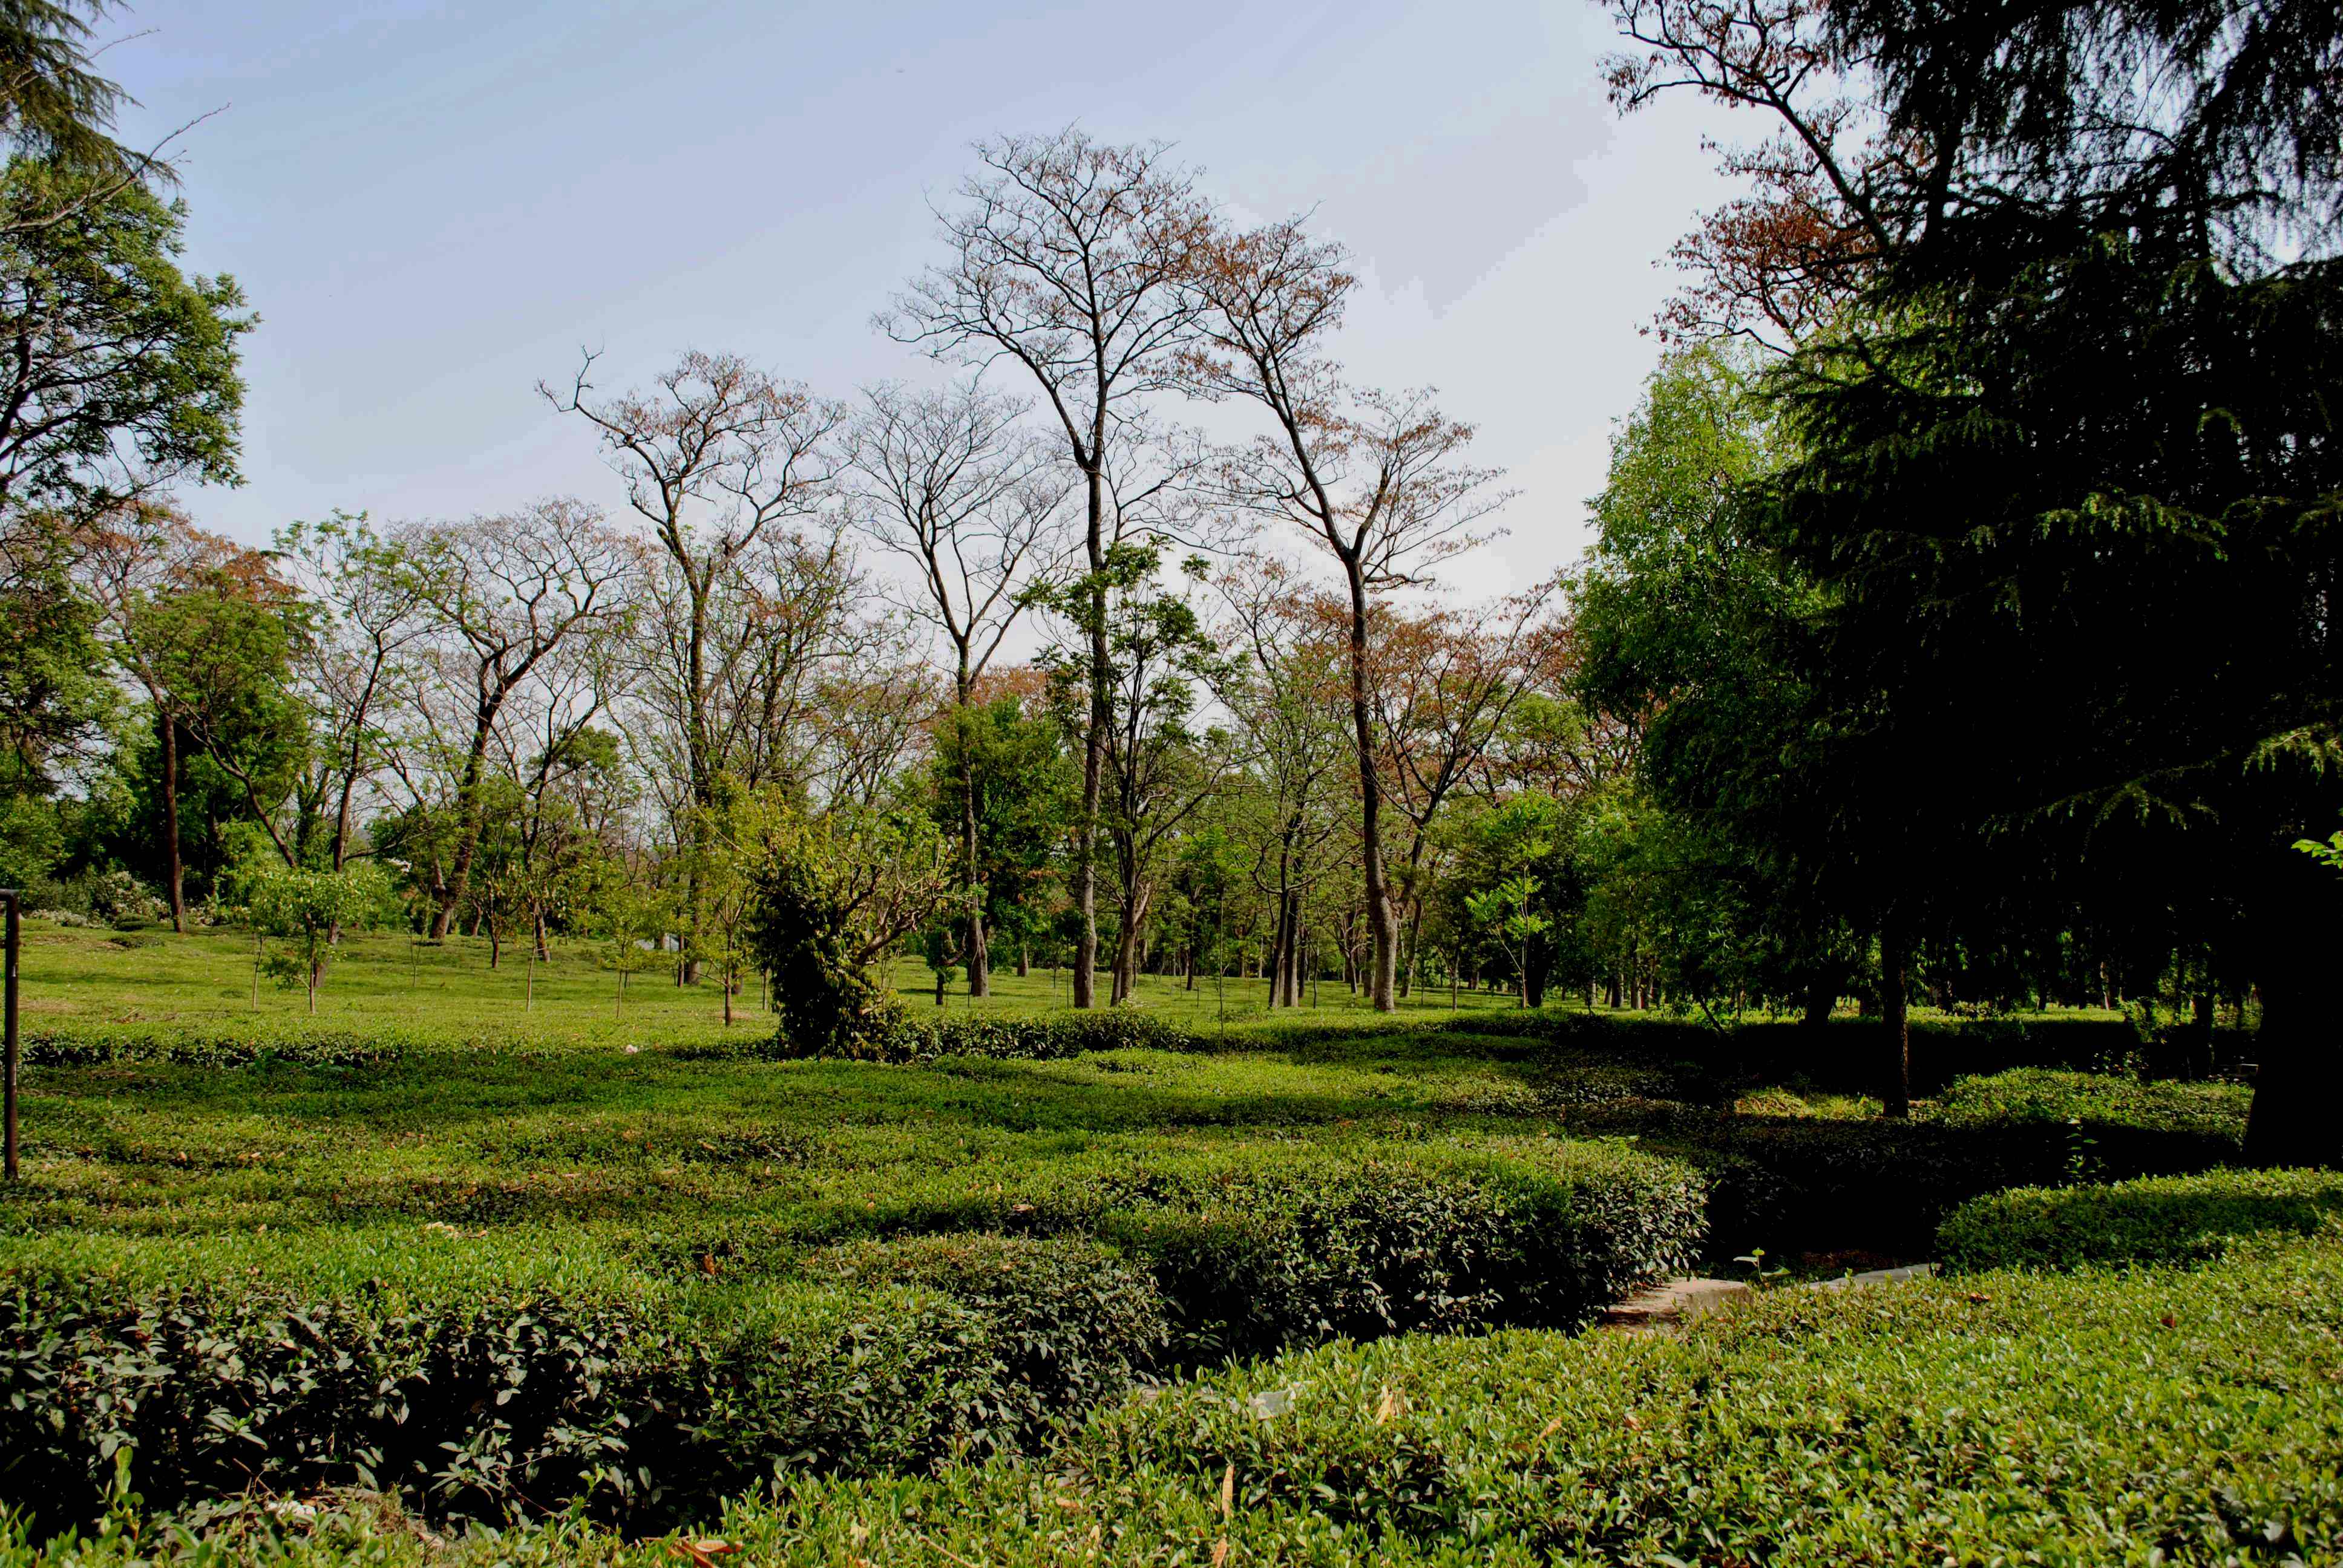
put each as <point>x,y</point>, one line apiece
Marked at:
<point>1672,1301</point>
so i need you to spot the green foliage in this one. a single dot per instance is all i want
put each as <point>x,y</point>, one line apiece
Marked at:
<point>2173,1220</point>
<point>52,690</point>
<point>469,1397</point>
<point>2034,1096</point>
<point>1259,1255</point>
<point>910,1038</point>
<point>2329,853</point>
<point>1067,1324</point>
<point>827,898</point>
<point>308,908</point>
<point>1025,790</point>
<point>130,373</point>
<point>464,1407</point>
<point>2187,1418</point>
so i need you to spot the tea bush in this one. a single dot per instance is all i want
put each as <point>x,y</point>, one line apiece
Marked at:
<point>2169,1219</point>
<point>2179,1417</point>
<point>507,1382</point>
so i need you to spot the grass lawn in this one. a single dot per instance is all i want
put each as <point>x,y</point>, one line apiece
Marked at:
<point>635,1124</point>
<point>85,975</point>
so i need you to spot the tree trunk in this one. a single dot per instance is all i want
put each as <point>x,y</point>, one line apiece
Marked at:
<point>1821,997</point>
<point>467,823</point>
<point>979,954</point>
<point>1895,977</point>
<point>1126,942</point>
<point>175,869</point>
<point>1094,739</point>
<point>1382,925</point>
<point>2296,1116</point>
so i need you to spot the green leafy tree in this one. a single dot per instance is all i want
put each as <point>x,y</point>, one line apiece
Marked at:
<point>54,695</point>
<point>125,376</point>
<point>1506,909</point>
<point>2065,434</point>
<point>307,908</point>
<point>829,896</point>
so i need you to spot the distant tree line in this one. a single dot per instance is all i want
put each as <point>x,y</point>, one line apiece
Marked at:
<point>1958,628</point>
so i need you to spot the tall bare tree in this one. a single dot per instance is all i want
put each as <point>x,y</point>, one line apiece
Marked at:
<point>369,616</point>
<point>1445,683</point>
<point>719,456</point>
<point>1066,259</point>
<point>952,482</point>
<point>504,594</point>
<point>1371,478</point>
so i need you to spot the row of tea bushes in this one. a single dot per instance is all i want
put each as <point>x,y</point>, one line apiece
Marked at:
<point>2153,1221</point>
<point>499,1392</point>
<point>2152,1416</point>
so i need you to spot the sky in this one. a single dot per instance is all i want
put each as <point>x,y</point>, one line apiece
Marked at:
<point>433,207</point>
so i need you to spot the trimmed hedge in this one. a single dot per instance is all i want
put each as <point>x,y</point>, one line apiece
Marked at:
<point>2165,1220</point>
<point>909,1038</point>
<point>494,1403</point>
<point>1254,1257</point>
<point>2102,1103</point>
<point>217,1045</point>
<point>1069,1323</point>
<point>470,1393</point>
<point>2187,1418</point>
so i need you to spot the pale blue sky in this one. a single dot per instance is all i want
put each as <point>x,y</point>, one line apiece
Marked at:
<point>434,206</point>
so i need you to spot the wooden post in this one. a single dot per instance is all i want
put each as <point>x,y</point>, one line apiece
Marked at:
<point>11,898</point>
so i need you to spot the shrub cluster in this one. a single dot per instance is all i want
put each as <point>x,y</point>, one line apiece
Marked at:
<point>2165,1220</point>
<point>906,1038</point>
<point>642,1399</point>
<point>2179,1417</point>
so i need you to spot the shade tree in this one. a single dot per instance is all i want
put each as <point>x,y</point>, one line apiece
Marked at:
<point>1374,479</point>
<point>973,501</point>
<point>1065,259</point>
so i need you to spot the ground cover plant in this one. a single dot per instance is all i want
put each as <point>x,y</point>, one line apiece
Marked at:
<point>262,1252</point>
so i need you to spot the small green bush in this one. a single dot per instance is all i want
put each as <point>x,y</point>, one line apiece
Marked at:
<point>1068,1322</point>
<point>2039,1096</point>
<point>906,1038</point>
<point>1254,1255</point>
<point>2165,1220</point>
